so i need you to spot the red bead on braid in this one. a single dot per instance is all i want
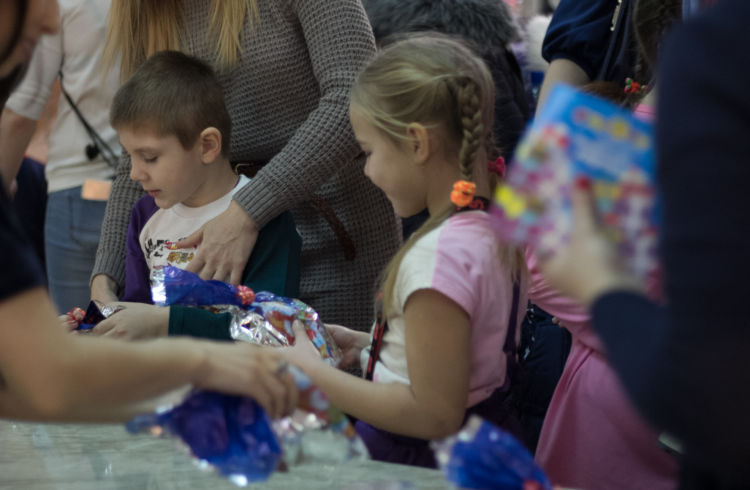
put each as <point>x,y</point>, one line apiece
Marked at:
<point>497,167</point>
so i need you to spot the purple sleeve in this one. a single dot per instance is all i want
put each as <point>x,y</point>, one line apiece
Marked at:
<point>137,283</point>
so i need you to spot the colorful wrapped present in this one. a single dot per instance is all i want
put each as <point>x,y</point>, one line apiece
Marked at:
<point>581,136</point>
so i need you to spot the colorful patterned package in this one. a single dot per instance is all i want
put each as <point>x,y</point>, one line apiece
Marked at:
<point>230,434</point>
<point>233,435</point>
<point>317,432</point>
<point>263,318</point>
<point>268,321</point>
<point>485,457</point>
<point>579,135</point>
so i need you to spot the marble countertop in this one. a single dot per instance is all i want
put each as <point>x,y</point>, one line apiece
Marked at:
<point>106,457</point>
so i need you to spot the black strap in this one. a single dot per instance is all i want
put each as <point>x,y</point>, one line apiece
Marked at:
<point>378,332</point>
<point>101,146</point>
<point>381,324</point>
<point>511,363</point>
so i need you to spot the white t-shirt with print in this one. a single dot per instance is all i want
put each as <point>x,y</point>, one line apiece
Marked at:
<point>168,226</point>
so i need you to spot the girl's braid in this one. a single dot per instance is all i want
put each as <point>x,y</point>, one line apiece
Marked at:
<point>472,127</point>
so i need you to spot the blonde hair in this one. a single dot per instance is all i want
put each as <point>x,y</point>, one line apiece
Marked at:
<point>439,82</point>
<point>139,28</point>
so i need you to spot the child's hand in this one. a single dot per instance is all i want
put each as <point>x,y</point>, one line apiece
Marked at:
<point>134,321</point>
<point>303,351</point>
<point>67,323</point>
<point>351,343</point>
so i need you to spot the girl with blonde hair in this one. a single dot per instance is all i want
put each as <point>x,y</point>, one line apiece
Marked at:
<point>447,318</point>
<point>286,68</point>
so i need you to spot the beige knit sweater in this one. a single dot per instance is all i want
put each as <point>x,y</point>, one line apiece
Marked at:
<point>288,99</point>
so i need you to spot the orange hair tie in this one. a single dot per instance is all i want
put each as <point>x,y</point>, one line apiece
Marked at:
<point>463,193</point>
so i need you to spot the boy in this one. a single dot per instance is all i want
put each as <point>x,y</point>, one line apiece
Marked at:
<point>174,124</point>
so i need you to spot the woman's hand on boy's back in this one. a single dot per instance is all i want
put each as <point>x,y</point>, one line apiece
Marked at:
<point>225,245</point>
<point>134,321</point>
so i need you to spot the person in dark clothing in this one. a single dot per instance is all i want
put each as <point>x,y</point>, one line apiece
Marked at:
<point>488,25</point>
<point>29,203</point>
<point>686,366</point>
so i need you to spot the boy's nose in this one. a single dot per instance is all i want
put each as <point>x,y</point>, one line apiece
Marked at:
<point>136,173</point>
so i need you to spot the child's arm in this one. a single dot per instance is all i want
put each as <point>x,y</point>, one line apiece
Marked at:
<point>351,342</point>
<point>438,347</point>
<point>137,274</point>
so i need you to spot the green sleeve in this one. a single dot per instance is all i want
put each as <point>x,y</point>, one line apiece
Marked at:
<point>274,266</point>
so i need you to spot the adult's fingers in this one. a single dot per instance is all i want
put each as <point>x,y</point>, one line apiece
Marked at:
<point>104,327</point>
<point>191,241</point>
<point>236,274</point>
<point>222,274</point>
<point>584,207</point>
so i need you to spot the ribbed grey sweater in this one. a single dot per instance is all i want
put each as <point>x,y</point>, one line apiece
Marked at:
<point>288,99</point>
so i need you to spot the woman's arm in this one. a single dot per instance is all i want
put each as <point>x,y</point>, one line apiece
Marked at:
<point>438,336</point>
<point>339,41</point>
<point>26,105</point>
<point>561,70</point>
<point>49,375</point>
<point>15,134</point>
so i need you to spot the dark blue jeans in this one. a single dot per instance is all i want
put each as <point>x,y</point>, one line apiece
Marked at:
<point>71,236</point>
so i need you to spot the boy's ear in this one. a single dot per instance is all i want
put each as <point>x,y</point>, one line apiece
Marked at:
<point>419,142</point>
<point>210,144</point>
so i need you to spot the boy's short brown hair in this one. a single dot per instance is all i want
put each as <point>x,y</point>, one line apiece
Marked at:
<point>175,94</point>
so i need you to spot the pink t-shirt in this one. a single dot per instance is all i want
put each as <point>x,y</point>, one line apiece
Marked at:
<point>459,259</point>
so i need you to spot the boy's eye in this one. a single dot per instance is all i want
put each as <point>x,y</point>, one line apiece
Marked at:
<point>149,159</point>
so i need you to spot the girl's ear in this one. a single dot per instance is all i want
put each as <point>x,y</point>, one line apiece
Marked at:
<point>419,143</point>
<point>210,144</point>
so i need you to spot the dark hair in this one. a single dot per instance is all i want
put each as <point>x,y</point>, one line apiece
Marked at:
<point>650,22</point>
<point>175,94</point>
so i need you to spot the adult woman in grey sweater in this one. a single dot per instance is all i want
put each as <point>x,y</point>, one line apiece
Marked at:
<point>286,67</point>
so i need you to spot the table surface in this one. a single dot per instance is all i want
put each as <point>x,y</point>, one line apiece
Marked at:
<point>106,457</point>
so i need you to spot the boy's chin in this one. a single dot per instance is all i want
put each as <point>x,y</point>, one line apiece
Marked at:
<point>163,204</point>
